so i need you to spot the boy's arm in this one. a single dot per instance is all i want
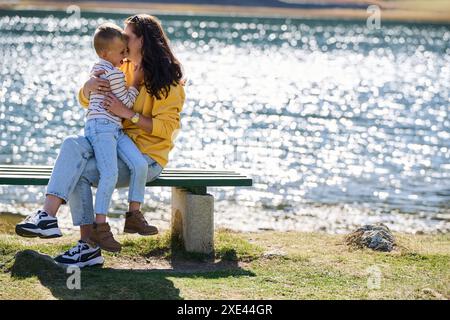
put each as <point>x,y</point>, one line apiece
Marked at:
<point>94,82</point>
<point>119,88</point>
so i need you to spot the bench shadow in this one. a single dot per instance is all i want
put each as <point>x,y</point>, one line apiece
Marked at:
<point>114,284</point>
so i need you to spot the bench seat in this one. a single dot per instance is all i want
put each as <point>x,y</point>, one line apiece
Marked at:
<point>192,206</point>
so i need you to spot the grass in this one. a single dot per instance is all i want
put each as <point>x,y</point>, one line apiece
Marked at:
<point>268,265</point>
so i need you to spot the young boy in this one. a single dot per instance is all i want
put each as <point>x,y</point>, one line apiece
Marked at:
<point>103,130</point>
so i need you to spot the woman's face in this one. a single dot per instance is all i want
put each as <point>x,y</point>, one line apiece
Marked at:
<point>134,45</point>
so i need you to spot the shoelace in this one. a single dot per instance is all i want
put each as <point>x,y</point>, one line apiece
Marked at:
<point>77,249</point>
<point>34,218</point>
<point>142,218</point>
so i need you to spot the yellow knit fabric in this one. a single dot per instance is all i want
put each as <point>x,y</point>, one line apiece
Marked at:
<point>165,114</point>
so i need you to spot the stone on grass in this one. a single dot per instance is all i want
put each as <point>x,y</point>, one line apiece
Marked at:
<point>377,237</point>
<point>274,254</point>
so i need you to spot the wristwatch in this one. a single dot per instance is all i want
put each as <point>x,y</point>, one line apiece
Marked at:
<point>135,118</point>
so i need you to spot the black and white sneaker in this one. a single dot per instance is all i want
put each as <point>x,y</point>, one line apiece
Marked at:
<point>82,255</point>
<point>39,224</point>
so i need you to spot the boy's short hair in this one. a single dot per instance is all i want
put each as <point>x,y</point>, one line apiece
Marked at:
<point>105,33</point>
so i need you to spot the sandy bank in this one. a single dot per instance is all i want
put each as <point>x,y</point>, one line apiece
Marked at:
<point>420,11</point>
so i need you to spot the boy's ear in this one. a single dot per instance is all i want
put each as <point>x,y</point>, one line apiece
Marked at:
<point>103,54</point>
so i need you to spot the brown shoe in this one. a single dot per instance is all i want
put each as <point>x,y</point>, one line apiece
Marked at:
<point>136,223</point>
<point>103,237</point>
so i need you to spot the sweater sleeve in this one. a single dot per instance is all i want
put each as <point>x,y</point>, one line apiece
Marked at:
<point>166,113</point>
<point>119,88</point>
<point>82,99</point>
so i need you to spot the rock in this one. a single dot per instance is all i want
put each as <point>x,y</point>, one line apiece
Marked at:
<point>274,254</point>
<point>433,293</point>
<point>377,237</point>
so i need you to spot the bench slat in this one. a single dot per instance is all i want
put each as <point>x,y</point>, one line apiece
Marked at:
<point>163,174</point>
<point>39,175</point>
<point>21,167</point>
<point>173,177</point>
<point>236,182</point>
<point>165,171</point>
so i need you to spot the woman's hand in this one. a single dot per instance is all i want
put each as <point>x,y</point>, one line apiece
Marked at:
<point>116,107</point>
<point>96,84</point>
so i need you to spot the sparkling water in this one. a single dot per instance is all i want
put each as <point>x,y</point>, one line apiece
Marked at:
<point>337,124</point>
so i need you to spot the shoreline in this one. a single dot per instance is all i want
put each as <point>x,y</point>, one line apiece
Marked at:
<point>320,219</point>
<point>389,12</point>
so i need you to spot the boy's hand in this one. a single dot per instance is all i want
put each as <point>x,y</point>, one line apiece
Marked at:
<point>116,107</point>
<point>97,84</point>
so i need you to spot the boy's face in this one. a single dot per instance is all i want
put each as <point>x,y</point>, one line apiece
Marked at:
<point>116,52</point>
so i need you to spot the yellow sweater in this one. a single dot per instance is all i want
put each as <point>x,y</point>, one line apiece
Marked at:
<point>165,114</point>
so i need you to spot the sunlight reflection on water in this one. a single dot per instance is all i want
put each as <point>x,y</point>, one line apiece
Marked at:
<point>317,112</point>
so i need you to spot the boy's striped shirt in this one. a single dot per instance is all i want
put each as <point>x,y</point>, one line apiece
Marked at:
<point>118,88</point>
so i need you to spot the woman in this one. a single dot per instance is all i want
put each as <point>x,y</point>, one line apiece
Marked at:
<point>151,124</point>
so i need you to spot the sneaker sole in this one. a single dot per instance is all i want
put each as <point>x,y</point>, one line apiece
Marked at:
<point>30,234</point>
<point>140,233</point>
<point>91,263</point>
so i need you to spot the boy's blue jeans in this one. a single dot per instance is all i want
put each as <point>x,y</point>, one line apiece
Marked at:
<point>75,172</point>
<point>108,141</point>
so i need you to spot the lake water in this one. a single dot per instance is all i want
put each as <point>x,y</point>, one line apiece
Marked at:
<point>337,124</point>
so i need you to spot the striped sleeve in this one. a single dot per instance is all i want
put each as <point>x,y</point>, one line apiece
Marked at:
<point>119,88</point>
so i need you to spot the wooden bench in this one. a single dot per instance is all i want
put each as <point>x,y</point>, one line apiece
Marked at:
<point>192,207</point>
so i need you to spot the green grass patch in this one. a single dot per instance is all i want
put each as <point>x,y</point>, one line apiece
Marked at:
<point>267,265</point>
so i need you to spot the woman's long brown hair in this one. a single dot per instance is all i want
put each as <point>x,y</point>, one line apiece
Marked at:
<point>161,68</point>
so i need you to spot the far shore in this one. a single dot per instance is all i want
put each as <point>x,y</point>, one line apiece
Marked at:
<point>411,11</point>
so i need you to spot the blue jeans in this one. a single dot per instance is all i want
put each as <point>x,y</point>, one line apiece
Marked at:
<point>75,172</point>
<point>108,140</point>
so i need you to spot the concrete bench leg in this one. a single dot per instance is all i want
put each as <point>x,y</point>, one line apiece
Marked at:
<point>193,220</point>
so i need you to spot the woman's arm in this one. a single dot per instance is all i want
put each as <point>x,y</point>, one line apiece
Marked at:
<point>145,123</point>
<point>94,84</point>
<point>165,116</point>
<point>166,112</point>
<point>116,107</point>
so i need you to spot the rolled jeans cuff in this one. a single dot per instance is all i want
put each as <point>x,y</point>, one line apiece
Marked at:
<point>82,221</point>
<point>141,200</point>
<point>64,198</point>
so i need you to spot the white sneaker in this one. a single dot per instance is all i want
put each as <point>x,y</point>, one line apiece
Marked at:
<point>39,224</point>
<point>81,255</point>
